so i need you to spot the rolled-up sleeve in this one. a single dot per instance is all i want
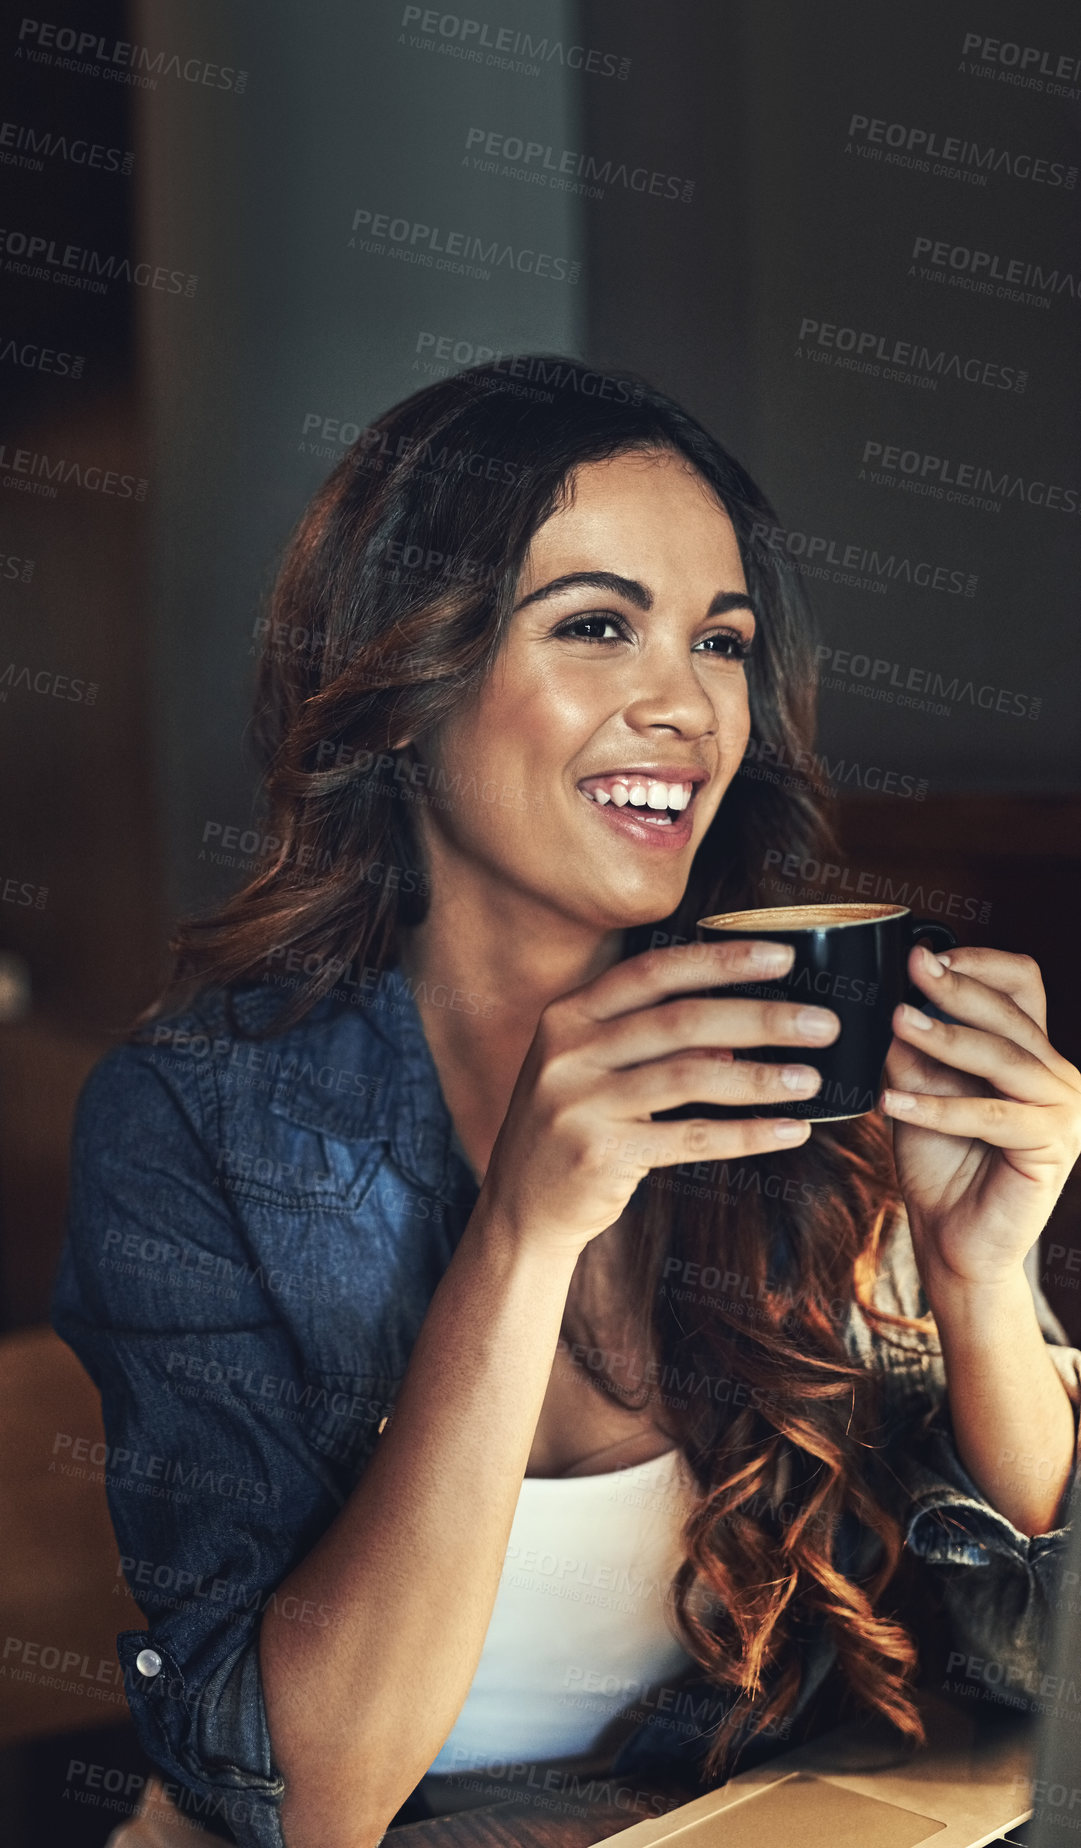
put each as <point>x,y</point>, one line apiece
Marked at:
<point>213,1498</point>
<point>997,1585</point>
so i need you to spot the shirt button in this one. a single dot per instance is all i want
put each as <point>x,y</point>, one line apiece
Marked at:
<point>148,1662</point>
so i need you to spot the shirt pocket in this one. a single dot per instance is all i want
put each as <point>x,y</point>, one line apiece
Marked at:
<point>287,1155</point>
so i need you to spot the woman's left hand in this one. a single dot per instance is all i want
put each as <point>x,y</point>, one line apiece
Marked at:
<point>986,1114</point>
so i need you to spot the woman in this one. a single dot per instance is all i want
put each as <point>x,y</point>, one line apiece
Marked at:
<point>387,1144</point>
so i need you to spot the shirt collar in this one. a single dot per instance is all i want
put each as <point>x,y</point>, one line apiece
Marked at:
<point>417,1121</point>
<point>403,1106</point>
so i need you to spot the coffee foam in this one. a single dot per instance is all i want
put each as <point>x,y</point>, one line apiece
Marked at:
<point>802,917</point>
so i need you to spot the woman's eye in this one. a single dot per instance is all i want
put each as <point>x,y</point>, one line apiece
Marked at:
<point>575,629</point>
<point>729,644</point>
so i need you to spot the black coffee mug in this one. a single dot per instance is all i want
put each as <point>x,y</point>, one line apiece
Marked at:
<point>850,958</point>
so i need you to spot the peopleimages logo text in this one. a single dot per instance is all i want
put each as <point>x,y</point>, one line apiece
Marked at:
<point>539,371</point>
<point>34,358</point>
<point>416,242</point>
<point>884,680</point>
<point>115,57</point>
<point>44,260</point>
<point>944,472</point>
<point>817,550</point>
<point>778,763</point>
<point>926,144</point>
<point>507,47</point>
<point>987,266</point>
<point>865,351</point>
<point>19,139</point>
<point>540,160</point>
<point>1028,59</point>
<point>36,465</point>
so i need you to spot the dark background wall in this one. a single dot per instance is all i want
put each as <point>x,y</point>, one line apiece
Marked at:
<point>770,280</point>
<point>802,223</point>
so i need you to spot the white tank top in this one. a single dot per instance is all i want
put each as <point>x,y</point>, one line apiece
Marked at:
<point>579,1630</point>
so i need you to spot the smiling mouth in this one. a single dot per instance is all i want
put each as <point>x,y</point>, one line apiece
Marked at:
<point>652,794</point>
<point>656,814</point>
<point>621,806</point>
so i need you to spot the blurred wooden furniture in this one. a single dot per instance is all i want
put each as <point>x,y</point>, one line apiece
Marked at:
<point>62,1595</point>
<point>1018,857</point>
<point>42,1068</point>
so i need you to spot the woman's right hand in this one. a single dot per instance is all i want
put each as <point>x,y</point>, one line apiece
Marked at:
<point>577,1137</point>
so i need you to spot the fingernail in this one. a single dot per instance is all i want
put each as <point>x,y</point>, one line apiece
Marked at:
<point>773,956</point>
<point>913,1017</point>
<point>898,1100</point>
<point>936,965</point>
<point>799,1078</point>
<point>789,1132</point>
<point>814,1024</point>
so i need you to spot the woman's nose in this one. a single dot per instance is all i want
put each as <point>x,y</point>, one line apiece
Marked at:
<point>669,691</point>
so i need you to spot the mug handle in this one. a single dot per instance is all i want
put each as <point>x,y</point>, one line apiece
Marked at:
<point>942,938</point>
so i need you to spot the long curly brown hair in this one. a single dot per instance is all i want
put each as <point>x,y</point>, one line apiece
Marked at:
<point>390,608</point>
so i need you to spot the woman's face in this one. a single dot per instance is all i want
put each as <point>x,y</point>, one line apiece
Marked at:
<point>625,654</point>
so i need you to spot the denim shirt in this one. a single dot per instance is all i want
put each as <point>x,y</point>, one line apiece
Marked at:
<point>256,1230</point>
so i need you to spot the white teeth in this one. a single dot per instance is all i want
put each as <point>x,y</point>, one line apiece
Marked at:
<point>652,794</point>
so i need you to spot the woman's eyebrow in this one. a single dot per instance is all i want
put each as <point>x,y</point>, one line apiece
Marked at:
<point>632,590</point>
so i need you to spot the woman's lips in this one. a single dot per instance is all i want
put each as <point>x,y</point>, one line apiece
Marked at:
<point>626,821</point>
